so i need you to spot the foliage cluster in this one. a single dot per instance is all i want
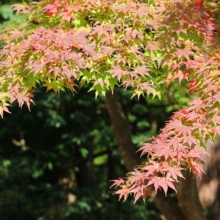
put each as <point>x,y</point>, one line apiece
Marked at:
<point>41,148</point>
<point>143,45</point>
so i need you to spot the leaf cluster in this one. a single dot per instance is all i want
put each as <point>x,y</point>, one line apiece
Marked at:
<point>142,45</point>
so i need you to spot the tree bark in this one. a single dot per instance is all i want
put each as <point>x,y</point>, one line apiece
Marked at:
<point>85,177</point>
<point>187,195</point>
<point>209,184</point>
<point>121,128</point>
<point>122,132</point>
<point>168,206</point>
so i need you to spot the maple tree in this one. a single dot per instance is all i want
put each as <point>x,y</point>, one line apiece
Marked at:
<point>143,45</point>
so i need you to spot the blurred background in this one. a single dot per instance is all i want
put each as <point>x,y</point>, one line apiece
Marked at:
<point>56,162</point>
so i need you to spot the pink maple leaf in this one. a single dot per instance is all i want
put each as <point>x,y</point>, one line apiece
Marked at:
<point>124,192</point>
<point>142,70</point>
<point>3,109</point>
<point>158,182</point>
<point>173,172</point>
<point>21,8</point>
<point>117,71</point>
<point>117,182</point>
<point>196,105</point>
<point>186,52</point>
<point>151,168</point>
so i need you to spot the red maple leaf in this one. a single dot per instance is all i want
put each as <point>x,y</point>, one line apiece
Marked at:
<point>199,3</point>
<point>52,8</point>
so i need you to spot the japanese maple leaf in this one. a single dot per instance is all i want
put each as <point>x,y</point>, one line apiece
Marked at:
<point>140,12</point>
<point>196,105</point>
<point>142,70</point>
<point>124,192</point>
<point>188,139</point>
<point>69,73</point>
<point>117,71</point>
<point>137,196</point>
<point>216,119</point>
<point>148,88</point>
<point>173,172</point>
<point>180,128</point>
<point>119,8</point>
<point>21,8</point>
<point>24,97</point>
<point>52,8</point>
<point>100,30</point>
<point>210,87</point>
<point>158,182</point>
<point>37,67</point>
<point>180,75</point>
<point>15,34</point>
<point>199,3</point>
<point>67,14</point>
<point>117,182</point>
<point>196,167</point>
<point>192,85</point>
<point>2,109</point>
<point>198,153</point>
<point>165,152</point>
<point>199,126</point>
<point>140,190</point>
<point>152,168</point>
<point>186,52</point>
<point>147,148</point>
<point>106,50</point>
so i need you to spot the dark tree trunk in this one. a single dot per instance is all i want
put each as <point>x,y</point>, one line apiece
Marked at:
<point>167,205</point>
<point>85,176</point>
<point>112,167</point>
<point>187,195</point>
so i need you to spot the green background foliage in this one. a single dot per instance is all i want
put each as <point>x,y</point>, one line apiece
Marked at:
<point>44,155</point>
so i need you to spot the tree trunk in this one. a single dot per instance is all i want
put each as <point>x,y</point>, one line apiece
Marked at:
<point>85,176</point>
<point>167,205</point>
<point>187,195</point>
<point>209,183</point>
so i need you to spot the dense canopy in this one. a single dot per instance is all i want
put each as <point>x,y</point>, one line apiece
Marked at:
<point>146,45</point>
